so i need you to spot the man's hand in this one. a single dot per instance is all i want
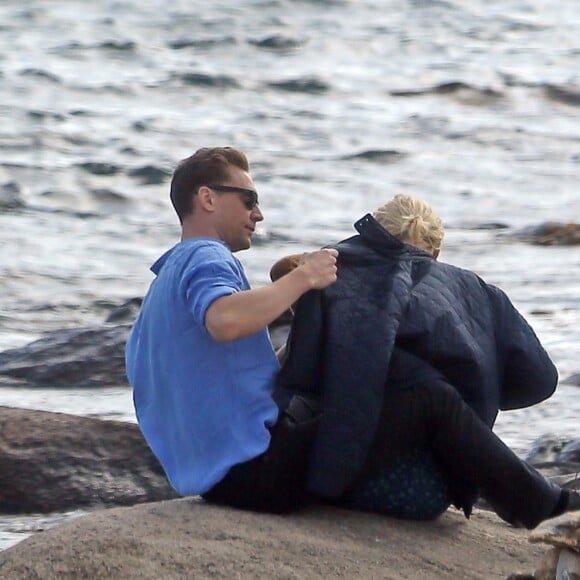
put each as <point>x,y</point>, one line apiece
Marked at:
<point>243,313</point>
<point>319,267</point>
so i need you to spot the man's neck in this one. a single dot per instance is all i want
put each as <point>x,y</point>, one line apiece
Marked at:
<point>191,228</point>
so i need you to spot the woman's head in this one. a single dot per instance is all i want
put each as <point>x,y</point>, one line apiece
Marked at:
<point>412,221</point>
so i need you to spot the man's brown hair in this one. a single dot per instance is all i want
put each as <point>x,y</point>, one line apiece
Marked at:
<point>208,165</point>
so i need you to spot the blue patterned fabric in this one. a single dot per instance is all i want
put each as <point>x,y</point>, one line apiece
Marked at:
<point>412,488</point>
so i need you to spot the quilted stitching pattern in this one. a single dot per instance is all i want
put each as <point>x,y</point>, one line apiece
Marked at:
<point>343,338</point>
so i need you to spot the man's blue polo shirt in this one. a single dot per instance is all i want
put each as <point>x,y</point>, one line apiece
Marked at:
<point>201,404</point>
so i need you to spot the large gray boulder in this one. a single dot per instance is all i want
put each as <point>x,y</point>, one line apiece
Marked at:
<point>187,538</point>
<point>56,462</point>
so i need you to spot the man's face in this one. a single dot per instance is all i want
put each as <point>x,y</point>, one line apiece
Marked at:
<point>235,222</point>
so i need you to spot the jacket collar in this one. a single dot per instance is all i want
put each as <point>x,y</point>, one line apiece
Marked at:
<point>379,239</point>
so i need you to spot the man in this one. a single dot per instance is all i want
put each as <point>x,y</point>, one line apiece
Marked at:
<point>199,356</point>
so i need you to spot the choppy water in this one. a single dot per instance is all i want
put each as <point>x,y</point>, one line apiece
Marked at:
<point>339,104</point>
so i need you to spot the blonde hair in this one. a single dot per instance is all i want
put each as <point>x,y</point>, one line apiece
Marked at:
<point>412,221</point>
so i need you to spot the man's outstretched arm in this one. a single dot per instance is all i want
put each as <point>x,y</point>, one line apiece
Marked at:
<point>244,313</point>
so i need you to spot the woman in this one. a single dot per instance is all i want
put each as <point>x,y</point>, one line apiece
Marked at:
<point>412,359</point>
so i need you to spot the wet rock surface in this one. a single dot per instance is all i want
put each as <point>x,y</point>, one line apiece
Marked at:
<point>89,356</point>
<point>555,455</point>
<point>550,234</point>
<point>572,380</point>
<point>55,462</point>
<point>78,357</point>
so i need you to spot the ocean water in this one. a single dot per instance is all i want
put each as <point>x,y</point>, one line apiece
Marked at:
<point>339,104</point>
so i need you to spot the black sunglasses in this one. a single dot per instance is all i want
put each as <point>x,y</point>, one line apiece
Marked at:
<point>250,196</point>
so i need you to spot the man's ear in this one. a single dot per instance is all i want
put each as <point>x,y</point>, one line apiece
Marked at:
<point>206,198</point>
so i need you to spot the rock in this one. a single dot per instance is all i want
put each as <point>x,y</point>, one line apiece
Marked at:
<point>546,448</point>
<point>77,357</point>
<point>126,312</point>
<point>55,462</point>
<point>568,481</point>
<point>566,93</point>
<point>572,380</point>
<point>11,196</point>
<point>571,453</point>
<point>551,234</point>
<point>188,538</point>
<point>563,559</point>
<point>555,455</point>
<point>91,356</point>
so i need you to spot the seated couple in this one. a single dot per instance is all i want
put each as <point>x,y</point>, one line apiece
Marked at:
<point>393,375</point>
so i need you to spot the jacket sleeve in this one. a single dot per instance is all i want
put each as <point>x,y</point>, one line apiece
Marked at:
<point>529,375</point>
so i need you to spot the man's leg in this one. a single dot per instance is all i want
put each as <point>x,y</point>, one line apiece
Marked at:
<point>274,481</point>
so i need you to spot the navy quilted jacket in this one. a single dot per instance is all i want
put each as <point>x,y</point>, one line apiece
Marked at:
<point>391,294</point>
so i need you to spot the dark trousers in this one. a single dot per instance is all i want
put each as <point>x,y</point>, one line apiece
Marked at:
<point>274,482</point>
<point>433,416</point>
<point>430,416</point>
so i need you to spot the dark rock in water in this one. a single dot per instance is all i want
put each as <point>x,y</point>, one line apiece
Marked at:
<point>121,45</point>
<point>100,168</point>
<point>201,43</point>
<point>551,234</point>
<point>567,94</point>
<point>213,81</point>
<point>78,357</point>
<point>554,455</point>
<point>11,196</point>
<point>55,462</point>
<point>150,174</point>
<point>277,42</point>
<point>310,85</point>
<point>88,356</point>
<point>464,92</point>
<point>378,155</point>
<point>572,380</point>
<point>490,226</point>
<point>546,448</point>
<point>571,453</point>
<point>126,312</point>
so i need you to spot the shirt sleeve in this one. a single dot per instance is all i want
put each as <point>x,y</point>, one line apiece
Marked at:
<point>212,273</point>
